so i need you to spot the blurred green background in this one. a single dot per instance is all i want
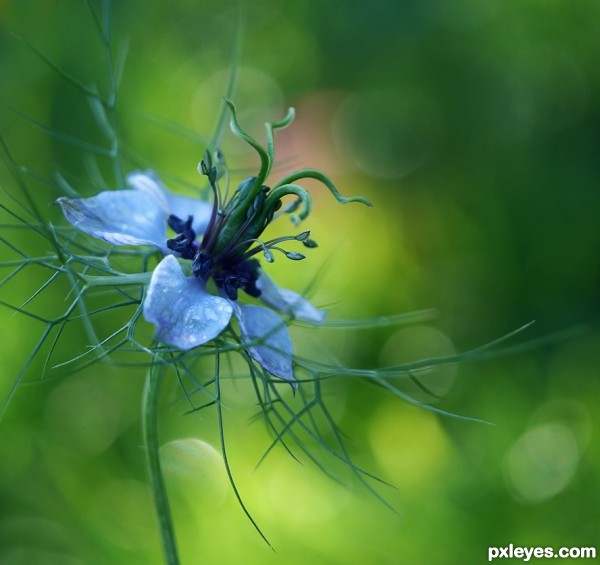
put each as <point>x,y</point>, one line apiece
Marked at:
<point>474,128</point>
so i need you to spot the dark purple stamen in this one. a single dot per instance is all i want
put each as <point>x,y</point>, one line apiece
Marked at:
<point>231,276</point>
<point>203,266</point>
<point>240,275</point>
<point>184,242</point>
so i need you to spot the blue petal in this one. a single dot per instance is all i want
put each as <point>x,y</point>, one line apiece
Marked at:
<point>120,217</point>
<point>259,323</point>
<point>149,183</point>
<point>288,301</point>
<point>184,314</point>
<point>180,206</point>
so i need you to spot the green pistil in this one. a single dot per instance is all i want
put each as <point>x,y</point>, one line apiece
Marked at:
<point>237,224</point>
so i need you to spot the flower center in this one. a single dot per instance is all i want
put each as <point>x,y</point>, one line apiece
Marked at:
<point>230,270</point>
<point>232,236</point>
<point>231,276</point>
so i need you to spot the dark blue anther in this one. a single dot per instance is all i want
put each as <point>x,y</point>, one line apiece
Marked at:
<point>243,274</point>
<point>184,242</point>
<point>202,266</point>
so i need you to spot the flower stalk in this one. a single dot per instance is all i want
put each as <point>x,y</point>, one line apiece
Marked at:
<point>150,404</point>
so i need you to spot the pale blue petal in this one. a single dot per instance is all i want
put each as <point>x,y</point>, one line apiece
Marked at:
<point>149,183</point>
<point>120,217</point>
<point>180,206</point>
<point>184,314</point>
<point>288,301</point>
<point>275,355</point>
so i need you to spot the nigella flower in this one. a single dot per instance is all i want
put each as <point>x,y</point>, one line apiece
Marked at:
<point>214,245</point>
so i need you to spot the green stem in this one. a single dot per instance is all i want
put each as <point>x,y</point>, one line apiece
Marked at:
<point>150,405</point>
<point>117,280</point>
<point>236,57</point>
